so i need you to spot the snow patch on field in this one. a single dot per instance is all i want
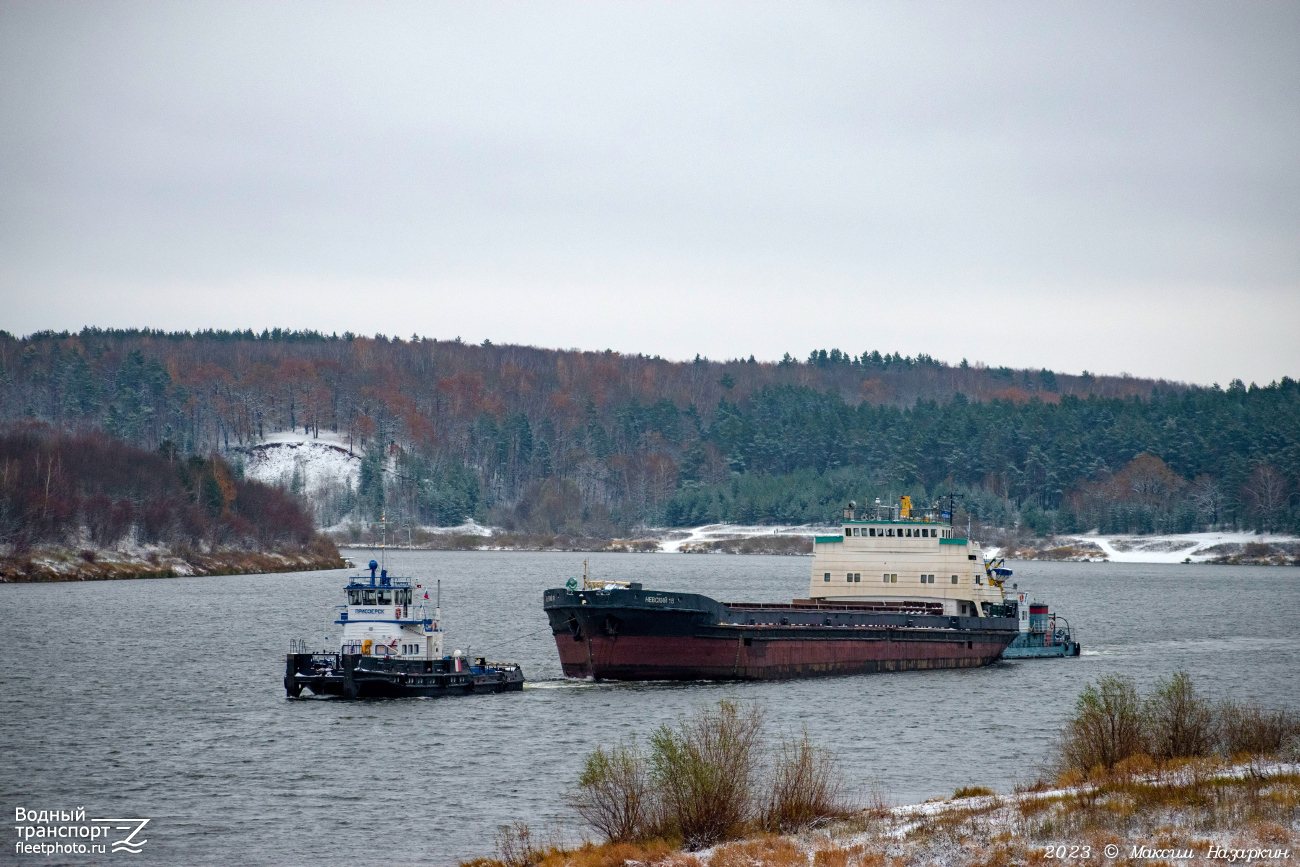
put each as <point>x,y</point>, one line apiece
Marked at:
<point>672,540</point>
<point>1173,548</point>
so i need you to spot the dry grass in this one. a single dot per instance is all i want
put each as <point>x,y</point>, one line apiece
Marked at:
<point>766,851</point>
<point>971,792</point>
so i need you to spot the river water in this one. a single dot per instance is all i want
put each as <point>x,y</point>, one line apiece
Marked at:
<point>163,700</point>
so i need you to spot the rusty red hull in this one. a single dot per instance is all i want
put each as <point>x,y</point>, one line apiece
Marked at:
<point>640,635</point>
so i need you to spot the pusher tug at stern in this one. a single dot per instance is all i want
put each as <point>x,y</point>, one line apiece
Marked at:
<point>392,647</point>
<point>896,590</point>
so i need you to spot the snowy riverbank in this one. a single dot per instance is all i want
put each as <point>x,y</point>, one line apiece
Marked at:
<point>1219,547</point>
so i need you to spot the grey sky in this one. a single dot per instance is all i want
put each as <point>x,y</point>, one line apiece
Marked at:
<point>1109,186</point>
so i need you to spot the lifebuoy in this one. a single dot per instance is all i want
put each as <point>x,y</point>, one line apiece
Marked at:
<point>399,611</point>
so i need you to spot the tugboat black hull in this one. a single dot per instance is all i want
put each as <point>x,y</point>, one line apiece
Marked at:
<point>634,634</point>
<point>360,676</point>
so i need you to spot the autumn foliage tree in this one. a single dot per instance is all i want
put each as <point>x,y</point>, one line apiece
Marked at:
<point>58,488</point>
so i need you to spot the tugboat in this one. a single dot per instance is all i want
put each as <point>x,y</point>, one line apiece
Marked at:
<point>1043,634</point>
<point>895,590</point>
<point>390,649</point>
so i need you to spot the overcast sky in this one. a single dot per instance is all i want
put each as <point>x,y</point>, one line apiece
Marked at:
<point>1103,186</point>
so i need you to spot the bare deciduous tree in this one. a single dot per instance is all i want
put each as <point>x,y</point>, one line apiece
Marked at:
<point>1265,495</point>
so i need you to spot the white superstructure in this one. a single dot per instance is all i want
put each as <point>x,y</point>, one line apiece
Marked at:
<point>898,557</point>
<point>386,616</point>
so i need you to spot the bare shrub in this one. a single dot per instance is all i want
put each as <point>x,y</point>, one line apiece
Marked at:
<point>703,769</point>
<point>516,846</point>
<point>807,786</point>
<point>613,793</point>
<point>1106,727</point>
<point>1249,728</point>
<point>1179,723</point>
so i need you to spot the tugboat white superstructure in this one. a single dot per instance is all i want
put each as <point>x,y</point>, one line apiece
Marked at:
<point>392,647</point>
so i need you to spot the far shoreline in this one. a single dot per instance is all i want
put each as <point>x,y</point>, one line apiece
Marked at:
<point>56,564</point>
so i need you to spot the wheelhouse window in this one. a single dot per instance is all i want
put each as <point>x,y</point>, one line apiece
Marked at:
<point>368,597</point>
<point>871,532</point>
<point>848,531</point>
<point>385,597</point>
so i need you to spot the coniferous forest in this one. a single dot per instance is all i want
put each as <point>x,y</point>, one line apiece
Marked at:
<point>601,443</point>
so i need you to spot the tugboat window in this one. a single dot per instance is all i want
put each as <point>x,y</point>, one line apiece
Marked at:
<point>954,579</point>
<point>872,531</point>
<point>827,577</point>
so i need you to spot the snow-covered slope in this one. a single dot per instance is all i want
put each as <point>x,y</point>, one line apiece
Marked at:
<point>321,462</point>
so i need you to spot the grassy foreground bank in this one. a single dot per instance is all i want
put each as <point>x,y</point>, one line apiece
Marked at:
<point>1165,778</point>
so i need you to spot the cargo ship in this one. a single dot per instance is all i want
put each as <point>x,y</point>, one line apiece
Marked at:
<point>391,647</point>
<point>895,590</point>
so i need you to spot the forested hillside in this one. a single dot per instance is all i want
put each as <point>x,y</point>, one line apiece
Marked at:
<point>560,441</point>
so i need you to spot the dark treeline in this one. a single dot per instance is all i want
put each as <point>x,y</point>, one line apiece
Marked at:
<point>566,441</point>
<point>89,489</point>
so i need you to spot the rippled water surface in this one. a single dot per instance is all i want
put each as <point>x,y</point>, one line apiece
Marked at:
<point>163,699</point>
